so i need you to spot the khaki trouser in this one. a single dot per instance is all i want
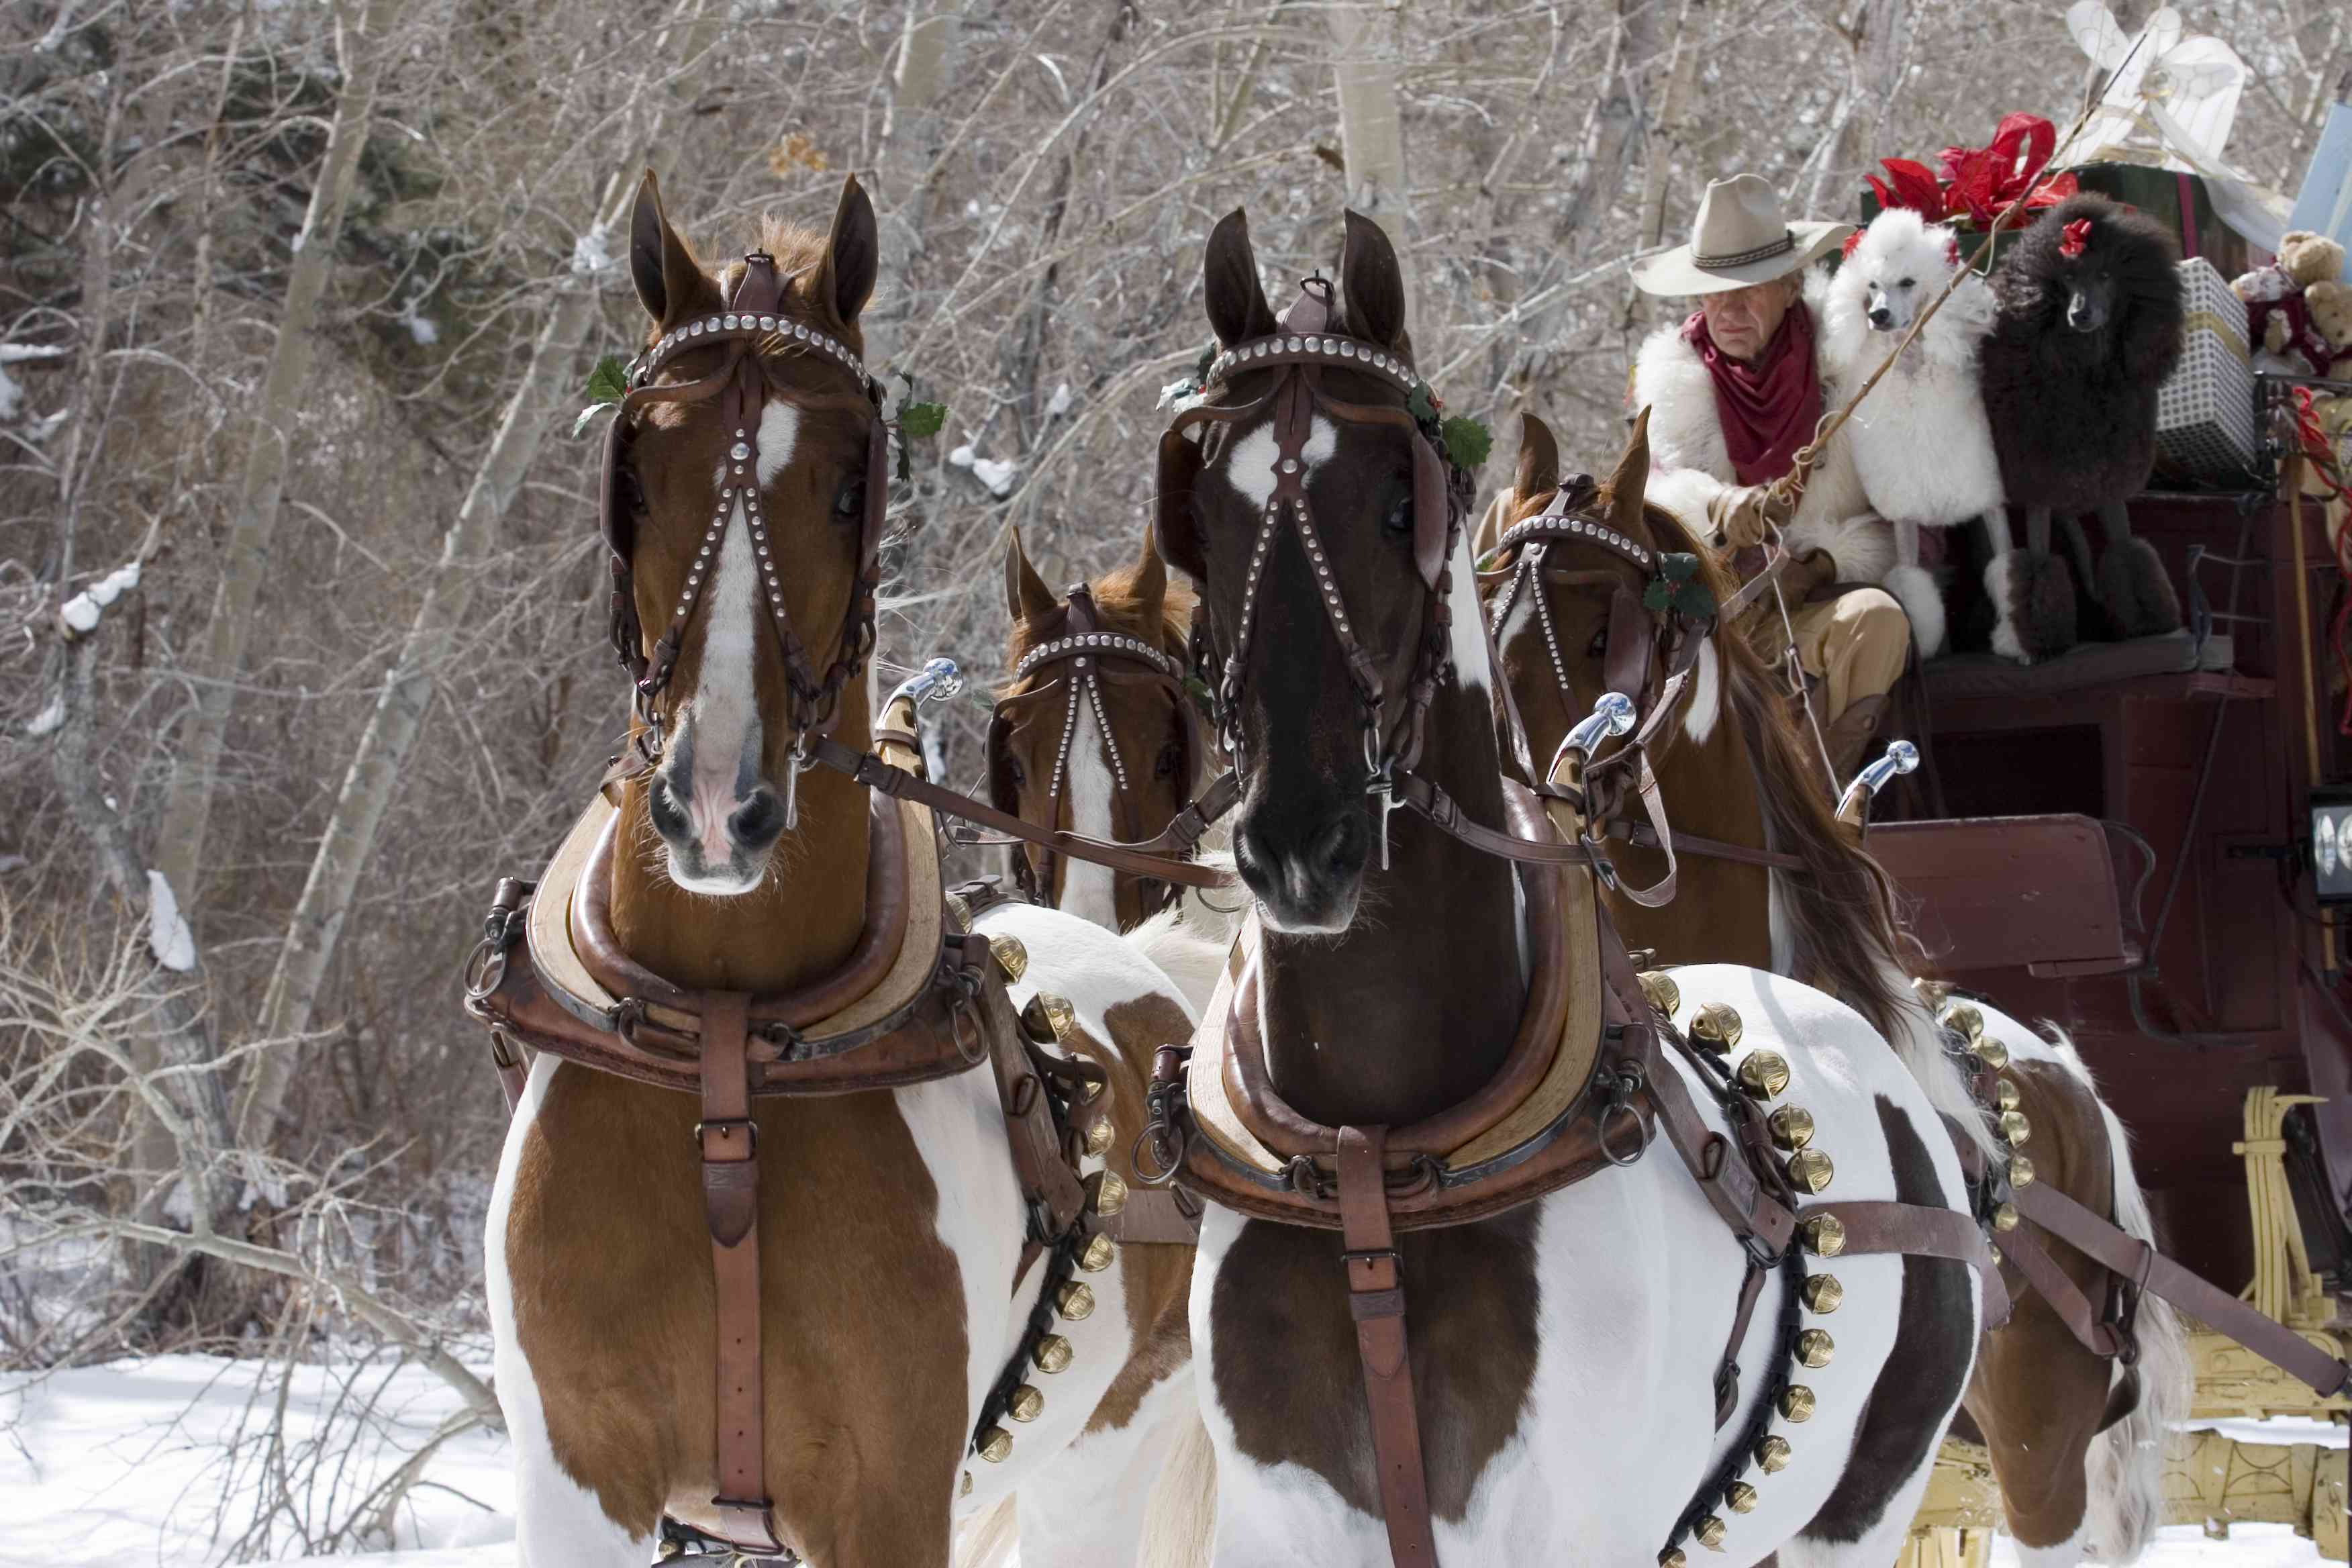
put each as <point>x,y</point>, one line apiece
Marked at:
<point>1855,644</point>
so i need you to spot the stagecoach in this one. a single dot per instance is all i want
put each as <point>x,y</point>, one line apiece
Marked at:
<point>2145,842</point>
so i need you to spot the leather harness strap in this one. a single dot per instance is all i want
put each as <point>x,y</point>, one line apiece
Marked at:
<point>729,1143</point>
<point>1155,857</point>
<point>2150,1270</point>
<point>1917,1230</point>
<point>1375,1298</point>
<point>1643,836</point>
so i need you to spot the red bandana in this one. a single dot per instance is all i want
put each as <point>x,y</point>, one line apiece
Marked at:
<point>1768,409</point>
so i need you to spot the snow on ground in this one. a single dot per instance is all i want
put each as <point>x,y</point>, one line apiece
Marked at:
<point>127,1465</point>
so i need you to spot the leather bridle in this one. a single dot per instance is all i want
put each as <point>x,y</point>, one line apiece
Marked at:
<point>752,332</point>
<point>1650,654</point>
<point>1081,659</point>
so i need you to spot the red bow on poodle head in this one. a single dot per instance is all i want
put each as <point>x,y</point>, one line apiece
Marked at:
<point>2077,240</point>
<point>1852,242</point>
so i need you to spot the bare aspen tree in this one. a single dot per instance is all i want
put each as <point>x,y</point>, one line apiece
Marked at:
<point>317,922</point>
<point>1878,38</point>
<point>277,418</point>
<point>911,146</point>
<point>1367,70</point>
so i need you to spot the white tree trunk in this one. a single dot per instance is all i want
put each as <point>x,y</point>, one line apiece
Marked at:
<point>547,388</point>
<point>1368,68</point>
<point>253,522</point>
<point>1880,38</point>
<point>910,145</point>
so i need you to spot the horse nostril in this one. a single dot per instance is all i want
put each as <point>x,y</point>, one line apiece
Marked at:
<point>668,820</point>
<point>1335,845</point>
<point>758,822</point>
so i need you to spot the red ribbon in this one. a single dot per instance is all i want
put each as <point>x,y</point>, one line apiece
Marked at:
<point>2075,238</point>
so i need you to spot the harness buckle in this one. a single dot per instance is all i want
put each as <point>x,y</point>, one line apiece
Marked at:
<point>727,1126</point>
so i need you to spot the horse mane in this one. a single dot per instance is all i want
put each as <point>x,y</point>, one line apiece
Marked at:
<point>798,249</point>
<point>1122,611</point>
<point>1845,935</point>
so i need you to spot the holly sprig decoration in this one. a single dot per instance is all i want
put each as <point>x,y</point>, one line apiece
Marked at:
<point>915,421</point>
<point>1465,441</point>
<point>607,384</point>
<point>1677,587</point>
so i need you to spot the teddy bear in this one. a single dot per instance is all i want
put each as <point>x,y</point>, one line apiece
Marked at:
<point>2278,305</point>
<point>2327,306</point>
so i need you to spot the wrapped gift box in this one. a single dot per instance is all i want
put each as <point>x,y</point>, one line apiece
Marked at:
<point>2205,424</point>
<point>2180,201</point>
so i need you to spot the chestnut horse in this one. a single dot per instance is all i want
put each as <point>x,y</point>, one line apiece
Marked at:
<point>1563,1355</point>
<point>1108,741</point>
<point>892,1311</point>
<point>1731,767</point>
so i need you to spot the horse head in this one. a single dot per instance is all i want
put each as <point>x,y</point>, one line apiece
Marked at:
<point>1588,588</point>
<point>743,503</point>
<point>1320,521</point>
<point>1095,734</point>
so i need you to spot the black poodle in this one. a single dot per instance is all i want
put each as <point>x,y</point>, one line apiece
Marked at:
<point>2089,325</point>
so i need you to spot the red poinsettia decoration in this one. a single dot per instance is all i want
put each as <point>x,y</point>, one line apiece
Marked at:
<point>2074,238</point>
<point>1979,185</point>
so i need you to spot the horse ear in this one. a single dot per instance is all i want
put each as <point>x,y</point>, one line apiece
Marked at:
<point>853,254</point>
<point>1150,578</point>
<point>1630,477</point>
<point>1538,458</point>
<point>660,265</point>
<point>1237,300</point>
<point>1372,283</point>
<point>1026,593</point>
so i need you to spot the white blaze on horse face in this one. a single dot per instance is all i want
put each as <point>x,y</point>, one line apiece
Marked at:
<point>1706,696</point>
<point>1250,467</point>
<point>1472,666</point>
<point>718,728</point>
<point>1088,891</point>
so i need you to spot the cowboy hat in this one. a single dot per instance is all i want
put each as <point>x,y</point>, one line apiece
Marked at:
<point>1738,238</point>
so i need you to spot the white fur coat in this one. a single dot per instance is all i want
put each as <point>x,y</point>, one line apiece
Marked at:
<point>1690,463</point>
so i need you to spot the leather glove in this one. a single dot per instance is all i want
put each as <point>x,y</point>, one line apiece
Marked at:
<point>1742,514</point>
<point>1809,573</point>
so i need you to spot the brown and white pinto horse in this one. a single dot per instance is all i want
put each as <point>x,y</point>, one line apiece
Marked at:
<point>1563,1356</point>
<point>891,1221</point>
<point>1732,767</point>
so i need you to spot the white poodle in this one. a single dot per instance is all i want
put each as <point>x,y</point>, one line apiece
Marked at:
<point>1920,441</point>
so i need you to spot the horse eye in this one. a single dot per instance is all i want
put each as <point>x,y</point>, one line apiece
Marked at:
<point>1171,756</point>
<point>1400,517</point>
<point>1599,645</point>
<point>851,501</point>
<point>1014,770</point>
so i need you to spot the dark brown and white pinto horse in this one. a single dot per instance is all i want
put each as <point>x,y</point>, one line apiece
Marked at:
<point>1731,767</point>
<point>1563,1356</point>
<point>892,1317</point>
